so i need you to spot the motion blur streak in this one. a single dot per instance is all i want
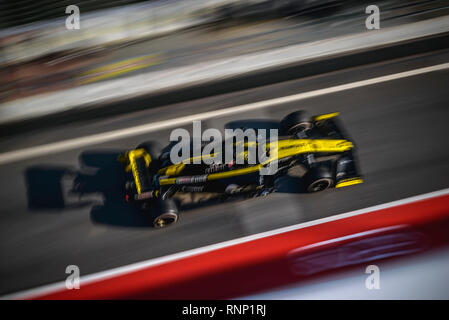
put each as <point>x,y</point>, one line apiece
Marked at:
<point>32,152</point>
<point>217,271</point>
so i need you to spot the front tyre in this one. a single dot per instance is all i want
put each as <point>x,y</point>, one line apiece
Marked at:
<point>296,122</point>
<point>318,179</point>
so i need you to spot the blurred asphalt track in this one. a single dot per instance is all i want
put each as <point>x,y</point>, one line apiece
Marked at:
<point>400,128</point>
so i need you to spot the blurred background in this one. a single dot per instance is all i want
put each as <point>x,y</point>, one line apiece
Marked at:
<point>123,38</point>
<point>69,97</point>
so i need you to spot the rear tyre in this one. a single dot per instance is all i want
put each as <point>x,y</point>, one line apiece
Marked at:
<point>295,122</point>
<point>318,179</point>
<point>164,213</point>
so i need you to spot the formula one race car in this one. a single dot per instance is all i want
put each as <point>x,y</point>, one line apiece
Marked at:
<point>317,144</point>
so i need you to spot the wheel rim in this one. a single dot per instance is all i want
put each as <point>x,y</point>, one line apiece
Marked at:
<point>301,126</point>
<point>165,220</point>
<point>319,185</point>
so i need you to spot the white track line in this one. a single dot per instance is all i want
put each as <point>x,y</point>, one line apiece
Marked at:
<point>108,274</point>
<point>45,149</point>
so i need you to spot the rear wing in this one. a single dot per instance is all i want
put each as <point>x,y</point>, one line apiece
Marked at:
<point>137,162</point>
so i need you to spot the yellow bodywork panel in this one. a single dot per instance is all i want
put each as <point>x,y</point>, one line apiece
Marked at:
<point>284,148</point>
<point>291,147</point>
<point>175,169</point>
<point>326,116</point>
<point>233,173</point>
<point>349,182</point>
<point>167,181</point>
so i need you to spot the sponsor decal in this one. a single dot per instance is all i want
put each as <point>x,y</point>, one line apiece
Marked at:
<point>191,179</point>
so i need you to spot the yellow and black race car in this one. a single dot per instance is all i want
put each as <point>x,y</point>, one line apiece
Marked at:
<point>317,144</point>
